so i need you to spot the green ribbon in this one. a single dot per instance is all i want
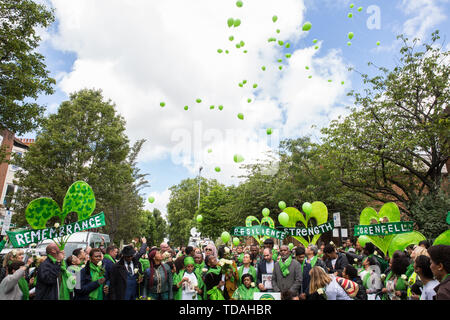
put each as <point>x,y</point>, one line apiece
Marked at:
<point>96,274</point>
<point>251,270</point>
<point>64,292</point>
<point>284,266</point>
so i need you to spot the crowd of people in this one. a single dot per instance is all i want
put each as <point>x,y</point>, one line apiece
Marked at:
<point>207,272</point>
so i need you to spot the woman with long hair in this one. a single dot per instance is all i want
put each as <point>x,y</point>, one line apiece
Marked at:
<point>395,283</point>
<point>323,286</point>
<point>158,277</point>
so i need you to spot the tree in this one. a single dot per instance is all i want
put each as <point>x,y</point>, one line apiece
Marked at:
<point>85,140</point>
<point>395,142</point>
<point>23,74</point>
<point>153,226</point>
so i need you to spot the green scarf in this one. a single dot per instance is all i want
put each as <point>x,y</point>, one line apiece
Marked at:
<point>107,256</point>
<point>242,293</point>
<point>215,294</point>
<point>409,270</point>
<point>366,279</point>
<point>274,255</point>
<point>284,266</point>
<point>216,270</point>
<point>145,264</point>
<point>63,290</point>
<point>178,277</point>
<point>251,270</point>
<point>96,273</point>
<point>240,258</point>
<point>312,263</point>
<point>23,285</point>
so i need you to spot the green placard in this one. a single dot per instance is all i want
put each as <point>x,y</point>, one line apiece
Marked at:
<point>311,231</point>
<point>383,229</point>
<point>24,238</point>
<point>258,230</point>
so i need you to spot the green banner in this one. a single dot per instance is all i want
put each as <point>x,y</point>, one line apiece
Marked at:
<point>311,231</point>
<point>27,237</point>
<point>258,231</point>
<point>383,229</point>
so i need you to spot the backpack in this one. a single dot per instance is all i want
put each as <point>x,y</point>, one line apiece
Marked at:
<point>349,286</point>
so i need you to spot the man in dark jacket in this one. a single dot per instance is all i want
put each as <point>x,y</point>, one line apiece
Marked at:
<point>440,266</point>
<point>49,275</point>
<point>334,261</point>
<point>265,268</point>
<point>125,283</point>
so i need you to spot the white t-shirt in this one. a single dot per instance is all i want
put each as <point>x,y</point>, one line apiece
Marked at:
<point>333,262</point>
<point>428,290</point>
<point>188,292</point>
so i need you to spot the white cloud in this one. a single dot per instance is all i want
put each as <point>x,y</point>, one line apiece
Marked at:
<point>426,14</point>
<point>142,52</point>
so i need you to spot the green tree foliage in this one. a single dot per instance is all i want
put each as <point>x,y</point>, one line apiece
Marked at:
<point>395,142</point>
<point>85,140</point>
<point>23,74</point>
<point>153,226</point>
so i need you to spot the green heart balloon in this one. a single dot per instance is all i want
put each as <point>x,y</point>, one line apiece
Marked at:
<point>231,38</point>
<point>269,131</point>
<point>350,15</point>
<point>249,222</point>
<point>402,240</point>
<point>240,116</point>
<point>319,212</point>
<point>220,107</point>
<point>274,19</point>
<point>162,104</point>
<point>443,238</point>
<point>363,240</point>
<point>283,218</point>
<point>151,199</point>
<point>291,246</point>
<point>389,212</point>
<point>217,169</point>
<point>263,68</point>
<point>186,108</point>
<point>351,35</point>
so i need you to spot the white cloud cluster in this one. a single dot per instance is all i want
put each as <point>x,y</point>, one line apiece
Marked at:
<point>142,52</point>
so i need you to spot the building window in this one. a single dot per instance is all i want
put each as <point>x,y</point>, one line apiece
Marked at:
<point>17,155</point>
<point>9,195</point>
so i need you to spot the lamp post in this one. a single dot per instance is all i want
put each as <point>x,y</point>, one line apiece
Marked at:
<point>199,181</point>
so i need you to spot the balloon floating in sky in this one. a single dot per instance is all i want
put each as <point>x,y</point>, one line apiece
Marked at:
<point>378,43</point>
<point>330,80</point>
<point>217,169</point>
<point>239,4</point>
<point>274,19</point>
<point>309,77</point>
<point>272,40</point>
<point>351,35</point>
<point>245,51</point>
<point>237,23</point>
<point>242,43</point>
<point>199,100</point>
<point>342,82</point>
<point>350,15</point>
<point>238,158</point>
<point>307,208</point>
<point>186,107</point>
<point>288,45</point>
<point>288,55</point>
<point>307,26</point>
<point>349,43</point>
<point>278,30</point>
<point>249,100</point>
<point>241,85</point>
<point>230,22</point>
<point>360,9</point>
<point>244,81</point>
<point>219,50</point>
<point>316,47</point>
<point>151,199</point>
<point>209,150</point>
<point>265,212</point>
<point>263,68</point>
<point>282,205</point>
<point>220,108</point>
<point>199,218</point>
<point>226,51</point>
<point>238,46</point>
<point>240,116</point>
<point>255,86</point>
<point>280,42</point>
<point>269,131</point>
<point>280,67</point>
<point>211,107</point>
<point>162,104</point>
<point>231,38</point>
<point>315,41</point>
<point>280,60</point>
<point>352,5</point>
<point>307,68</point>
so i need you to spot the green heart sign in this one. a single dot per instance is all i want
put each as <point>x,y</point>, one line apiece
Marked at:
<point>443,238</point>
<point>319,212</point>
<point>389,212</point>
<point>249,223</point>
<point>401,241</point>
<point>79,198</point>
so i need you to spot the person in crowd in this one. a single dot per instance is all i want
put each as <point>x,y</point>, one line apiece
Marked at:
<point>350,273</point>
<point>287,273</point>
<point>395,283</point>
<point>125,279</point>
<point>334,261</point>
<point>72,265</point>
<point>254,255</point>
<point>189,251</point>
<point>349,245</point>
<point>25,282</point>
<point>422,269</point>
<point>109,258</point>
<point>189,284</point>
<point>239,257</point>
<point>211,249</point>
<point>414,283</point>
<point>269,243</point>
<point>440,266</point>
<point>81,255</point>
<point>231,273</point>
<point>49,274</point>
<point>246,268</point>
<point>9,287</point>
<point>323,286</point>
<point>300,256</point>
<point>358,248</point>
<point>289,295</point>
<point>320,252</point>
<point>246,289</point>
<point>158,278</point>
<point>92,278</point>
<point>214,282</point>
<point>371,277</point>
<point>164,247</point>
<point>424,244</point>
<point>199,264</point>
<point>265,270</point>
<point>369,251</point>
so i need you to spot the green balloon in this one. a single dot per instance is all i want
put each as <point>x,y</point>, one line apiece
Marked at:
<point>307,26</point>
<point>226,51</point>
<point>309,77</point>
<point>199,100</point>
<point>231,38</point>
<point>220,108</point>
<point>242,43</point>
<point>217,169</point>
<point>307,208</point>
<point>282,205</point>
<point>349,43</point>
<point>352,5</point>
<point>162,104</point>
<point>316,47</point>
<point>230,22</point>
<point>211,107</point>
<point>350,15</point>
<point>307,68</point>
<point>245,51</point>
<point>236,241</point>
<point>330,80</point>
<point>315,41</point>
<point>244,81</point>
<point>249,100</point>
<point>288,55</point>
<point>283,218</point>
<point>272,40</point>
<point>402,240</point>
<point>278,30</point>
<point>238,46</point>
<point>199,218</point>
<point>151,199</point>
<point>280,42</point>
<point>280,67</point>
<point>241,85</point>
<point>238,158</point>
<point>274,19</point>
<point>360,9</point>
<point>350,35</point>
<point>225,236</point>
<point>280,60</point>
<point>240,116</point>
<point>378,43</point>
<point>209,150</point>
<point>219,50</point>
<point>291,246</point>
<point>239,4</point>
<point>237,23</point>
<point>269,131</point>
<point>443,238</point>
<point>255,86</point>
<point>265,212</point>
<point>342,82</point>
<point>288,45</point>
<point>186,107</point>
<point>263,68</point>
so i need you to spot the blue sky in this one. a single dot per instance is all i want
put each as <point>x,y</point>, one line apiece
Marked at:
<point>143,52</point>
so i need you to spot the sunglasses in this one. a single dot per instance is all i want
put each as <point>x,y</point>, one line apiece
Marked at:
<point>208,249</point>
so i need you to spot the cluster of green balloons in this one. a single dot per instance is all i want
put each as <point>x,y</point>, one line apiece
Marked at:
<point>233,22</point>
